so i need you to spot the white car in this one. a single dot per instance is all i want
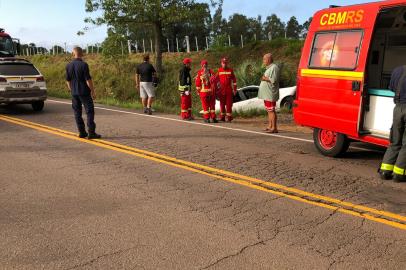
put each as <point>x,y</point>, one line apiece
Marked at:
<point>247,99</point>
<point>21,83</point>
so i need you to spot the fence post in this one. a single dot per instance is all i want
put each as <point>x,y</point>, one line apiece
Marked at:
<point>167,42</point>
<point>242,41</point>
<point>229,41</point>
<point>129,46</point>
<point>187,44</point>
<point>177,44</point>
<point>197,44</point>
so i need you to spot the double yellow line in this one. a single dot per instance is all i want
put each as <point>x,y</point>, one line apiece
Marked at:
<point>387,218</point>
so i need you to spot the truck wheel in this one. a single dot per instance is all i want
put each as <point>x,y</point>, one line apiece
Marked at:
<point>38,106</point>
<point>330,143</point>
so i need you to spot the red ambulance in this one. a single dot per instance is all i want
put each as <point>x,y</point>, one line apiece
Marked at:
<point>344,74</point>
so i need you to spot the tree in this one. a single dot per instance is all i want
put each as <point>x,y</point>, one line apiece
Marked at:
<point>305,27</point>
<point>274,27</point>
<point>56,49</point>
<point>293,28</point>
<point>238,25</point>
<point>156,14</point>
<point>218,23</point>
<point>255,27</point>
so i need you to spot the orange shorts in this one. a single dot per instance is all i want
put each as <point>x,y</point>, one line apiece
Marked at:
<point>270,106</point>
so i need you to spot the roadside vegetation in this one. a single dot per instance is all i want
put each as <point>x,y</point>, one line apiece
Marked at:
<point>114,76</point>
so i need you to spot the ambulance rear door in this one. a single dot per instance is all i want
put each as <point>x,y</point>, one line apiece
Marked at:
<point>332,75</point>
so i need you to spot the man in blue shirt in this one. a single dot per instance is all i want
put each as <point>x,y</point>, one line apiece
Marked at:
<point>80,84</point>
<point>394,161</point>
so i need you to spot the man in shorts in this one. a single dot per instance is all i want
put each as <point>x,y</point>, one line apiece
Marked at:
<point>269,91</point>
<point>144,83</point>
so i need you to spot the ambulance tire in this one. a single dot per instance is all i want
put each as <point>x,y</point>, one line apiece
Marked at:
<point>329,143</point>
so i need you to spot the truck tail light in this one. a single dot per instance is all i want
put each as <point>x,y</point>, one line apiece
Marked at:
<point>3,79</point>
<point>40,79</point>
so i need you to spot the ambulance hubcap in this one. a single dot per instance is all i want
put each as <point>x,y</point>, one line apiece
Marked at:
<point>327,138</point>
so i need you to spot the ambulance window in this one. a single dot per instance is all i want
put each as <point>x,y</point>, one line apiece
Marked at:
<point>346,50</point>
<point>322,50</point>
<point>336,50</point>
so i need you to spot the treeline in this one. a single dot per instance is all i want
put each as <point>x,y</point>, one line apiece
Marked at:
<point>205,30</point>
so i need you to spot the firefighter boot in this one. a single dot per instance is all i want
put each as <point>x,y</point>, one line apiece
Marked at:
<point>399,178</point>
<point>385,175</point>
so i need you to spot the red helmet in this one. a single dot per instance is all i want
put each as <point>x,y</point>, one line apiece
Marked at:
<point>204,63</point>
<point>224,60</point>
<point>187,61</point>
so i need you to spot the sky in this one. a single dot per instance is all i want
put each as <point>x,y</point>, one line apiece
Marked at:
<point>49,22</point>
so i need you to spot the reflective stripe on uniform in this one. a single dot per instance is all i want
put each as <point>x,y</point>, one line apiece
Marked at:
<point>213,111</point>
<point>184,88</point>
<point>399,171</point>
<point>205,90</point>
<point>184,110</point>
<point>225,73</point>
<point>387,167</point>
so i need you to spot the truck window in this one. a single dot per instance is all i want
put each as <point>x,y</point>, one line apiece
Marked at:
<point>336,50</point>
<point>18,70</point>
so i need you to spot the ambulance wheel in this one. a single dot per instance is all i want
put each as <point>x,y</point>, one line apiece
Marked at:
<point>37,106</point>
<point>330,143</point>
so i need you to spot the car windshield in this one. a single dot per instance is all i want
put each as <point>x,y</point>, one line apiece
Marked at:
<point>6,46</point>
<point>14,69</point>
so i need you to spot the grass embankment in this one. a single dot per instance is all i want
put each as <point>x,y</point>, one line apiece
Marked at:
<point>114,77</point>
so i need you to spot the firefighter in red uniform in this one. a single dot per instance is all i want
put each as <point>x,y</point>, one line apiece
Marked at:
<point>185,87</point>
<point>207,95</point>
<point>228,86</point>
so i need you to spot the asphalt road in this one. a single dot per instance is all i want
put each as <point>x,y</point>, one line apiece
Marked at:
<point>234,198</point>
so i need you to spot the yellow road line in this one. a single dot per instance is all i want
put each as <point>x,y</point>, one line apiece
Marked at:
<point>384,217</point>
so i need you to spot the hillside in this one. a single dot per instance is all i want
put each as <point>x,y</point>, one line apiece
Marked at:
<point>114,77</point>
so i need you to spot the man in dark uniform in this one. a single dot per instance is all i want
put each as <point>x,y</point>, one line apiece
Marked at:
<point>80,84</point>
<point>185,87</point>
<point>394,161</point>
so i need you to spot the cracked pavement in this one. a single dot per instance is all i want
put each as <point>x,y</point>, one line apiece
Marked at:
<point>67,205</point>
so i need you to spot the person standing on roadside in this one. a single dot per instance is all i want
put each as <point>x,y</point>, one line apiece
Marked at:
<point>80,85</point>
<point>269,91</point>
<point>207,95</point>
<point>393,165</point>
<point>185,87</point>
<point>228,89</point>
<point>144,83</point>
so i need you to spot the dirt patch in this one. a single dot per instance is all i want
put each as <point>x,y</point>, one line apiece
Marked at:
<point>285,123</point>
